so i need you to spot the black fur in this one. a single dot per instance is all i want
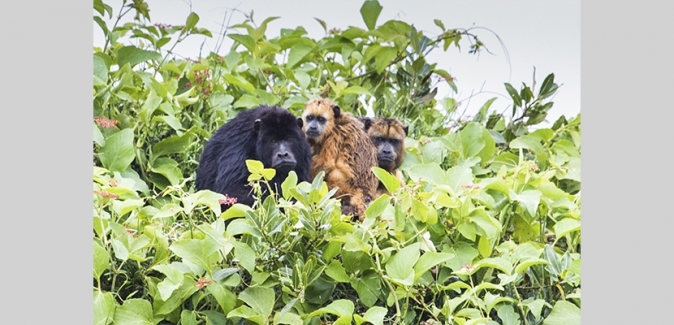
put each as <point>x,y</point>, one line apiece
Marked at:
<point>253,134</point>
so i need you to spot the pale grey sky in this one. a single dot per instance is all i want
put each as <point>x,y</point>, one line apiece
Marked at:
<point>544,34</point>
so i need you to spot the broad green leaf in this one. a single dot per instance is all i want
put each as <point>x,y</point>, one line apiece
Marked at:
<point>260,299</point>
<point>554,264</point>
<point>356,90</point>
<point>149,106</point>
<point>467,230</point>
<point>236,210</point>
<point>471,140</point>
<point>508,315</point>
<point>527,263</point>
<point>370,12</point>
<point>117,153</point>
<point>431,173</point>
<point>245,40</point>
<point>104,308</point>
<point>101,260</point>
<point>133,55</point>
<point>297,53</point>
<point>400,267</point>
<point>535,306</point>
<point>530,200</point>
<point>100,71</point>
<point>173,144</point>
<point>340,308</point>
<point>245,255</point>
<point>368,288</point>
<point>563,313</point>
<point>377,207</point>
<point>134,312</point>
<point>290,181</point>
<point>458,176</point>
<point>242,83</point>
<point>173,281</point>
<point>168,168</point>
<point>489,225</point>
<point>196,251</point>
<point>566,226</point>
<point>517,101</point>
<point>384,57</point>
<point>530,143</point>
<point>428,260</point>
<point>249,314</point>
<point>191,22</point>
<point>484,246</point>
<point>98,136</point>
<point>495,262</point>
<point>225,298</point>
<point>288,318</point>
<point>375,315</point>
<point>336,271</point>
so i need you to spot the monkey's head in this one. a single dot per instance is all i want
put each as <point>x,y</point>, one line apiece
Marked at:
<point>388,135</point>
<point>279,139</point>
<point>319,118</point>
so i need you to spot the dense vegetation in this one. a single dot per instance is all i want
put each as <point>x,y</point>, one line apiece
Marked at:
<point>486,229</point>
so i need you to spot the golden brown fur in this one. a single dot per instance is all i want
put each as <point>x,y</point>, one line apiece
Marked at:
<point>341,149</point>
<point>388,135</point>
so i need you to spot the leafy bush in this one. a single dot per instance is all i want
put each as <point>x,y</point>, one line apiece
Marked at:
<point>486,229</point>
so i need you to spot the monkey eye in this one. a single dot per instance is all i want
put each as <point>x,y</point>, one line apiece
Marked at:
<point>394,141</point>
<point>310,117</point>
<point>379,139</point>
<point>320,119</point>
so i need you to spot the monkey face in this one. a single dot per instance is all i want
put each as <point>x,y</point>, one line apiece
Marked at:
<point>319,115</point>
<point>315,126</point>
<point>387,150</point>
<point>282,157</point>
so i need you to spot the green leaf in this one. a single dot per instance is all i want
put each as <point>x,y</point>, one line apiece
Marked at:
<point>563,313</point>
<point>168,168</point>
<point>196,251</point>
<point>459,176</point>
<point>356,90</point>
<point>377,207</point>
<point>341,307</point>
<point>288,318</point>
<point>101,260</point>
<point>133,55</point>
<point>225,298</point>
<point>190,23</point>
<point>173,144</point>
<point>375,315</point>
<point>517,101</point>
<point>384,58</point>
<point>260,299</point>
<point>566,226</point>
<point>496,263</point>
<point>98,136</point>
<point>429,260</point>
<point>530,200</point>
<point>527,263</point>
<point>370,12</point>
<point>245,255</point>
<point>100,71</point>
<point>245,40</point>
<point>134,312</point>
<point>188,317</point>
<point>290,181</point>
<point>173,281</point>
<point>247,313</point>
<point>431,173</point>
<point>400,267</point>
<point>508,315</point>
<point>368,287</point>
<point>336,271</point>
<point>297,53</point>
<point>117,153</point>
<point>104,308</point>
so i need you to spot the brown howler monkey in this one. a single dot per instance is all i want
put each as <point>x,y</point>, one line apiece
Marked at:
<point>388,135</point>
<point>342,149</point>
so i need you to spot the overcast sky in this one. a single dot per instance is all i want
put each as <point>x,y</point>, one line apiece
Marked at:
<point>544,34</point>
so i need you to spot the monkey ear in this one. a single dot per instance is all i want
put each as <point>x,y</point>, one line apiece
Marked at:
<point>367,122</point>
<point>406,128</point>
<point>256,126</point>
<point>300,122</point>
<point>336,111</point>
